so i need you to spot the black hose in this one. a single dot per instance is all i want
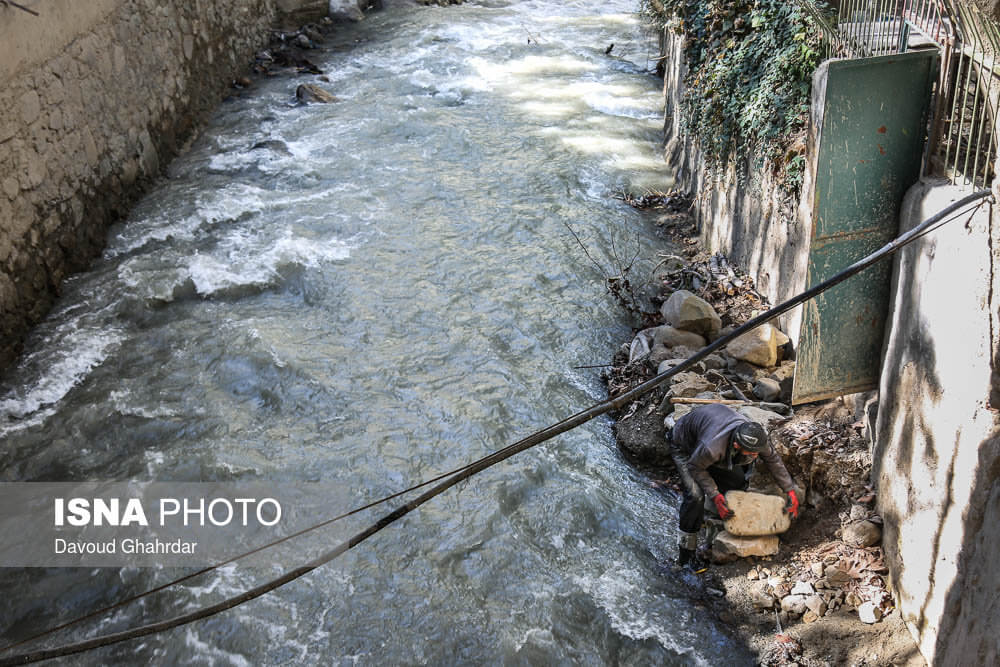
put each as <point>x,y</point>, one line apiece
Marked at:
<point>500,455</point>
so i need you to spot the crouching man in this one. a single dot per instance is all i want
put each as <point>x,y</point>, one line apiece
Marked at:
<point>715,449</point>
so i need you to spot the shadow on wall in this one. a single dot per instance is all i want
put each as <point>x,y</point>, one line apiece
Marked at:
<point>974,596</point>
<point>912,379</point>
<point>937,454</point>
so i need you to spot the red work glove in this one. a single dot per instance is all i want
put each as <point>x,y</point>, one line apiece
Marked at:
<point>792,505</point>
<point>721,506</point>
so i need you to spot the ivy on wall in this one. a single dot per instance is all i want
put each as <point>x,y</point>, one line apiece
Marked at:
<point>749,71</point>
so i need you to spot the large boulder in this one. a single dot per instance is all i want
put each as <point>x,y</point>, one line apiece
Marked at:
<point>758,346</point>
<point>726,546</point>
<point>685,311</point>
<point>673,337</point>
<point>756,514</point>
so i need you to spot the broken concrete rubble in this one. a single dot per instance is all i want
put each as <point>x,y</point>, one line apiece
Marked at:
<point>820,448</point>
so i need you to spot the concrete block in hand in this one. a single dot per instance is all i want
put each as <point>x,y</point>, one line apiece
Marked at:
<point>756,514</point>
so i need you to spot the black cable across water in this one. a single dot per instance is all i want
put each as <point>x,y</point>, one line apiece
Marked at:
<point>471,469</point>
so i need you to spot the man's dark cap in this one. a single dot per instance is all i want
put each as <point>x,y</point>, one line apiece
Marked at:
<point>751,436</point>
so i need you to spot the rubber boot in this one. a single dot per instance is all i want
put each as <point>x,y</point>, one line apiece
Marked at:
<point>687,552</point>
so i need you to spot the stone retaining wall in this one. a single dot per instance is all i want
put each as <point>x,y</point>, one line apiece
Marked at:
<point>96,97</point>
<point>742,212</point>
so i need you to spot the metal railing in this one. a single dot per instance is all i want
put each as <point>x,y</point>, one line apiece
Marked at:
<point>963,137</point>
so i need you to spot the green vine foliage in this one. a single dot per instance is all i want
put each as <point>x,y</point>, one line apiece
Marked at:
<point>750,66</point>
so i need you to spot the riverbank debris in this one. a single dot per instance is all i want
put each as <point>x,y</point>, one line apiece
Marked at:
<point>825,578</point>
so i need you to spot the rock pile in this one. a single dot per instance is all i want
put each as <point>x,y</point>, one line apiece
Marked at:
<point>751,374</point>
<point>833,576</point>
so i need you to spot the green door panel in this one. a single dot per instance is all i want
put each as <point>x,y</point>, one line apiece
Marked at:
<point>871,144</point>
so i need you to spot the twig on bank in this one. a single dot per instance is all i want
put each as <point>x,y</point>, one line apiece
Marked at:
<point>18,6</point>
<point>585,251</point>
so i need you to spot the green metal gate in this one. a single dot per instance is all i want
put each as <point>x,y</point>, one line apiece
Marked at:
<point>871,142</point>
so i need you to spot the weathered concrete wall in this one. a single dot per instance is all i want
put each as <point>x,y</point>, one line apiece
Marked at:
<point>937,454</point>
<point>742,212</point>
<point>96,96</point>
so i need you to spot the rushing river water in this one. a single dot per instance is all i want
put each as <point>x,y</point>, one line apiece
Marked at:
<point>369,293</point>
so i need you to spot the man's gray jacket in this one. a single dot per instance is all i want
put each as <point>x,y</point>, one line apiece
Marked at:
<point>703,435</point>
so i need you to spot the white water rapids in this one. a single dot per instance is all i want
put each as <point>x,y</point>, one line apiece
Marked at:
<point>369,293</point>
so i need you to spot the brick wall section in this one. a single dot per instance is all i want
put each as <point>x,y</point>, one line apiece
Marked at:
<point>89,117</point>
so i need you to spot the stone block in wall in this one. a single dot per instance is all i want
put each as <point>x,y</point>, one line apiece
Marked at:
<point>99,101</point>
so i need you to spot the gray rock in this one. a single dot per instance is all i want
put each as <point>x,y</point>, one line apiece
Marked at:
<point>681,410</point>
<point>763,417</point>
<point>766,389</point>
<point>726,544</point>
<point>758,346</point>
<point>816,604</point>
<point>689,385</point>
<point>862,534</point>
<point>346,10</point>
<point>272,145</point>
<point>837,577</point>
<point>760,597</point>
<point>667,364</point>
<point>683,351</point>
<point>746,371</point>
<point>784,375</point>
<point>794,604</point>
<point>714,362</point>
<point>683,310</point>
<point>302,42</point>
<point>671,337</point>
<point>311,93</point>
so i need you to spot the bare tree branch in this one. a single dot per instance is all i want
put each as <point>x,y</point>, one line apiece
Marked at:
<point>586,252</point>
